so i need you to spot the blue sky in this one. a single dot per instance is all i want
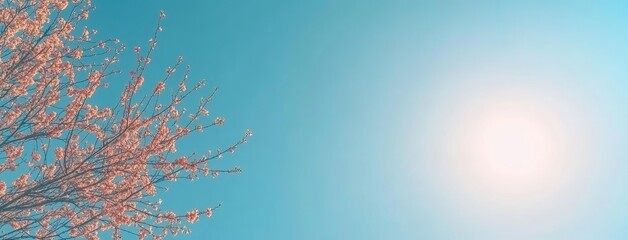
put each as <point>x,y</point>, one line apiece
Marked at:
<point>357,107</point>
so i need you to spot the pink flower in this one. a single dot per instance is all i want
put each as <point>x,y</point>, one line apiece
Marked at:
<point>3,188</point>
<point>140,80</point>
<point>21,181</point>
<point>160,87</point>
<point>13,152</point>
<point>208,212</point>
<point>170,216</point>
<point>59,153</point>
<point>36,156</point>
<point>84,14</point>
<point>78,53</point>
<point>138,83</point>
<point>192,216</point>
<point>219,121</point>
<point>62,4</point>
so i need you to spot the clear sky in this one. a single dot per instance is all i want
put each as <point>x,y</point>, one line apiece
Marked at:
<point>392,119</point>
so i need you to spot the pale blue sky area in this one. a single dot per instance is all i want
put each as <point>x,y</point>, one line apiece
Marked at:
<point>347,97</point>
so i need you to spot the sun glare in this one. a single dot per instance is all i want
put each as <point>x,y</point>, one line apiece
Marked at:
<point>511,149</point>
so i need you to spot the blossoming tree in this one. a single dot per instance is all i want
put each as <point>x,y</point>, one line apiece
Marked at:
<point>71,168</point>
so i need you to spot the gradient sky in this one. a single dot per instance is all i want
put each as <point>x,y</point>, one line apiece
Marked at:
<point>363,112</point>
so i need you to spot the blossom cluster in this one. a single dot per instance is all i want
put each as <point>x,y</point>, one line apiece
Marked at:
<point>70,167</point>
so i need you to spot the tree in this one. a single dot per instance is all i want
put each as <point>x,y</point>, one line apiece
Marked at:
<point>70,168</point>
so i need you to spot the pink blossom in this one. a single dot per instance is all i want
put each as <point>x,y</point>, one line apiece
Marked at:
<point>59,153</point>
<point>160,87</point>
<point>140,80</point>
<point>21,181</point>
<point>78,53</point>
<point>192,216</point>
<point>3,188</point>
<point>62,4</point>
<point>36,156</point>
<point>219,121</point>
